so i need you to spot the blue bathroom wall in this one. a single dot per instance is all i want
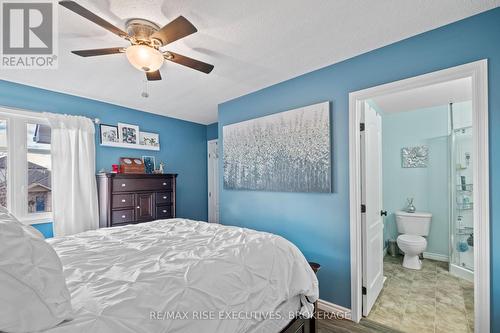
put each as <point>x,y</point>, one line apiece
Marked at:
<point>183,144</point>
<point>319,223</point>
<point>212,131</point>
<point>428,186</point>
<point>45,228</point>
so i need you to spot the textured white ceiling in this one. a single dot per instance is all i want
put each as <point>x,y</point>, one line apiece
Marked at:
<point>253,44</point>
<point>425,97</point>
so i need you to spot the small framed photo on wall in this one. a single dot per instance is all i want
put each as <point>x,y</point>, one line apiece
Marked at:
<point>149,164</point>
<point>149,139</point>
<point>128,133</point>
<point>108,133</point>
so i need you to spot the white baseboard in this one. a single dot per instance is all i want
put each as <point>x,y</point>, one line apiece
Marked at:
<point>436,256</point>
<point>326,306</point>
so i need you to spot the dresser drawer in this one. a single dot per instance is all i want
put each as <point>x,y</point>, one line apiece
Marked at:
<point>163,198</point>
<point>163,212</point>
<point>144,184</point>
<point>123,200</point>
<point>122,216</point>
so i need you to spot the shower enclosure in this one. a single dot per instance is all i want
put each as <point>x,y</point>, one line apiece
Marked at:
<point>461,203</point>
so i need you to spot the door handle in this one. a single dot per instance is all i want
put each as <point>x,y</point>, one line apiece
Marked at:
<point>383,213</point>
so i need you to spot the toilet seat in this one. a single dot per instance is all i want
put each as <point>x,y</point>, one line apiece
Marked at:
<point>412,239</point>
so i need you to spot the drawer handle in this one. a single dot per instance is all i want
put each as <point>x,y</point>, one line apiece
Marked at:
<point>123,200</point>
<point>165,198</point>
<point>164,210</point>
<point>123,185</point>
<point>124,216</point>
<point>164,184</point>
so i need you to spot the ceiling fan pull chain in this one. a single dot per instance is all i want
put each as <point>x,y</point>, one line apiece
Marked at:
<point>145,92</point>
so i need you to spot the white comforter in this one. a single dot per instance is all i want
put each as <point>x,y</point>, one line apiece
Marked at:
<point>161,276</point>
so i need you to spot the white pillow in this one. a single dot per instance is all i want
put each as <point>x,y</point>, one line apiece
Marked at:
<point>31,231</point>
<point>33,291</point>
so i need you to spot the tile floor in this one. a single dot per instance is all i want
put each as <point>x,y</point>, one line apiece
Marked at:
<point>428,300</point>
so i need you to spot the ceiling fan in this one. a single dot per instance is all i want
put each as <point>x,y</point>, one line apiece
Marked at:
<point>146,39</point>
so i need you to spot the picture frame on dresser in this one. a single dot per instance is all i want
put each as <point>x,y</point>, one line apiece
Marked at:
<point>149,164</point>
<point>135,198</point>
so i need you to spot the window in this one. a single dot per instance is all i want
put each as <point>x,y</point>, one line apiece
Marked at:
<point>25,166</point>
<point>39,168</point>
<point>3,162</point>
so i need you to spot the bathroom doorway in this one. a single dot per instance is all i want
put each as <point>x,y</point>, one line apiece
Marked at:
<point>428,134</point>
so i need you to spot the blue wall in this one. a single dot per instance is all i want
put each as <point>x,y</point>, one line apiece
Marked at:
<point>319,223</point>
<point>45,228</point>
<point>212,131</point>
<point>428,186</point>
<point>183,144</point>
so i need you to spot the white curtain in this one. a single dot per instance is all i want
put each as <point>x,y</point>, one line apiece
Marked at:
<point>74,189</point>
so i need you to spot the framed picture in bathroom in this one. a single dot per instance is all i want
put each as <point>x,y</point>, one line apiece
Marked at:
<point>415,157</point>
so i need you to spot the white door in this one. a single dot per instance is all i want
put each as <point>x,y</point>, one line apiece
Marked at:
<point>372,222</point>
<point>213,182</point>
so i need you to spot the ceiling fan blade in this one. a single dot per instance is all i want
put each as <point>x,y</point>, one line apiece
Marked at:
<point>177,29</point>
<point>153,76</point>
<point>99,52</point>
<point>76,8</point>
<point>189,62</point>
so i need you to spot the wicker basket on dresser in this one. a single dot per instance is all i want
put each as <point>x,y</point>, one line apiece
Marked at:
<point>135,198</point>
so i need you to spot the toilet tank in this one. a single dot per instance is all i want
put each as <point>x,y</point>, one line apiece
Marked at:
<point>418,223</point>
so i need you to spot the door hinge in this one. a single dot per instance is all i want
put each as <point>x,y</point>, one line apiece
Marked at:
<point>363,290</point>
<point>362,127</point>
<point>363,208</point>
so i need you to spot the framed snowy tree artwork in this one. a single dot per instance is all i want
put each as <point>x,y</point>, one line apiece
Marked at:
<point>285,152</point>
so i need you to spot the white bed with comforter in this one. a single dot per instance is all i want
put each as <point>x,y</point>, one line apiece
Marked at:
<point>135,278</point>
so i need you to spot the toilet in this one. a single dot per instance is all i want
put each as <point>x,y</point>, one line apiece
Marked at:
<point>412,228</point>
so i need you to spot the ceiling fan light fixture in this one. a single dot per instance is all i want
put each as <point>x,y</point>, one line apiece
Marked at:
<point>144,58</point>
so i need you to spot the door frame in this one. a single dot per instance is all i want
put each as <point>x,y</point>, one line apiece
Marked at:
<point>216,181</point>
<point>478,72</point>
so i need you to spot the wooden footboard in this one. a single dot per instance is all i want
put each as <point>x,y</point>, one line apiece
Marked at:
<point>301,325</point>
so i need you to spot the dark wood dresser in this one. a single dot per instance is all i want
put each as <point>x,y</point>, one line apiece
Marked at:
<point>135,198</point>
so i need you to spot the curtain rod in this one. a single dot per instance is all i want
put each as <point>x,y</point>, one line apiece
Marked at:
<point>8,110</point>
